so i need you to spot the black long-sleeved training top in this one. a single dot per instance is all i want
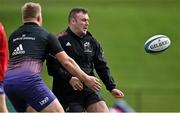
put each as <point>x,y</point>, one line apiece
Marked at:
<point>88,54</point>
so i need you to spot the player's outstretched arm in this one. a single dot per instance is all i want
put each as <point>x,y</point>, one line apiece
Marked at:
<point>75,70</point>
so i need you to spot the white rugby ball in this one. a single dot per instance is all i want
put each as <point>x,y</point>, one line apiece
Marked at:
<point>157,43</point>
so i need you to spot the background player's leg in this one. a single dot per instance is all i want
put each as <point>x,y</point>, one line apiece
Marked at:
<point>30,109</point>
<point>98,107</point>
<point>75,107</point>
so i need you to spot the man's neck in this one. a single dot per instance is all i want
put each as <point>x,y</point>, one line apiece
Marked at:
<point>75,32</point>
<point>31,21</point>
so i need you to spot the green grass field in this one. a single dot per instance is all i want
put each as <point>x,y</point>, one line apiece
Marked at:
<point>150,82</point>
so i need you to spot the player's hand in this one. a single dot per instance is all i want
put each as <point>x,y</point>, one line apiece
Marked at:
<point>76,83</point>
<point>117,93</point>
<point>93,83</point>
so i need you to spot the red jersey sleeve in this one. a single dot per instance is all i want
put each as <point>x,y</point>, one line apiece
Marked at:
<point>3,52</point>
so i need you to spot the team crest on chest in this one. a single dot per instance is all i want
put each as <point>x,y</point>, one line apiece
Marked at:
<point>87,47</point>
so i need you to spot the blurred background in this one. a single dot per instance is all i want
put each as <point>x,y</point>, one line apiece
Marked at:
<point>151,83</point>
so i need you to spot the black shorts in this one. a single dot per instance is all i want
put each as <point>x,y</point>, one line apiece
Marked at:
<point>78,101</point>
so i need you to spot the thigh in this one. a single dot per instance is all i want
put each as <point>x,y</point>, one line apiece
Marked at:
<point>3,107</point>
<point>30,109</point>
<point>94,102</point>
<point>54,106</point>
<point>39,96</point>
<point>98,107</point>
<point>19,104</point>
<point>28,90</point>
<point>17,101</point>
<point>74,107</point>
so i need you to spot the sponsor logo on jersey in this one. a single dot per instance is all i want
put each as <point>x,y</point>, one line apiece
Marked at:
<point>23,37</point>
<point>18,50</point>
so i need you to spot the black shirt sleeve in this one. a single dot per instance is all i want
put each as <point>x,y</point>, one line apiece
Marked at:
<point>54,45</point>
<point>55,68</point>
<point>102,68</point>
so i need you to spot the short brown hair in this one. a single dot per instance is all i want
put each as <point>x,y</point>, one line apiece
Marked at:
<point>74,11</point>
<point>30,10</point>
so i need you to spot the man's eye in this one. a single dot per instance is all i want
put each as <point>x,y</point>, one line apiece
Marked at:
<point>84,20</point>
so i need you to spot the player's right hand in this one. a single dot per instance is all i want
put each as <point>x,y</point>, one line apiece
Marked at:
<point>117,93</point>
<point>76,83</point>
<point>93,83</point>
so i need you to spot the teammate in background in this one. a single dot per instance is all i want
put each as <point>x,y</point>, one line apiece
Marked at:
<point>3,66</point>
<point>28,47</point>
<point>121,106</point>
<point>80,45</point>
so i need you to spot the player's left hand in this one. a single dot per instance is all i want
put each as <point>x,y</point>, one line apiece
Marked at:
<point>117,93</point>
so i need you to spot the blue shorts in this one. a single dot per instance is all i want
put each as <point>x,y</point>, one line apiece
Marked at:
<point>1,88</point>
<point>24,89</point>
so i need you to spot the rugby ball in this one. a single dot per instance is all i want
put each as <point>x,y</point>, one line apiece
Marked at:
<point>157,44</point>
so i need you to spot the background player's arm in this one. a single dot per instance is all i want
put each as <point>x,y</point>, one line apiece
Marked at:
<point>103,71</point>
<point>55,69</point>
<point>102,68</point>
<point>70,65</point>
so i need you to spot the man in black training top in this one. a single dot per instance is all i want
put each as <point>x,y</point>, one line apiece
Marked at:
<point>80,45</point>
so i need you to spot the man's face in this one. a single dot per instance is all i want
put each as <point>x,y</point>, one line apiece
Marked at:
<point>81,22</point>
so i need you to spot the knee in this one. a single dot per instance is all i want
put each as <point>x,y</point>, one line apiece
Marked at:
<point>98,107</point>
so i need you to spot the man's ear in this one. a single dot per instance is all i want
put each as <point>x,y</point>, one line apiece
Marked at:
<point>38,18</point>
<point>73,20</point>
